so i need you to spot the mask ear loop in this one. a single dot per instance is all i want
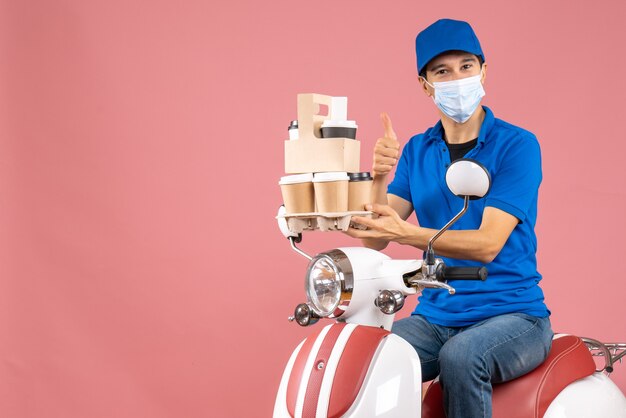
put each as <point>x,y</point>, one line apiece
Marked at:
<point>426,81</point>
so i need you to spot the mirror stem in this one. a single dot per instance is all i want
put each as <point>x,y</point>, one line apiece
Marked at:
<point>293,241</point>
<point>430,254</point>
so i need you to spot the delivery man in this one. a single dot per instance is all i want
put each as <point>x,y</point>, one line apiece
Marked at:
<point>491,331</point>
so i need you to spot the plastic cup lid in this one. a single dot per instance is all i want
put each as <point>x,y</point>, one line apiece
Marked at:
<point>297,178</point>
<point>339,124</point>
<point>364,176</point>
<point>330,176</point>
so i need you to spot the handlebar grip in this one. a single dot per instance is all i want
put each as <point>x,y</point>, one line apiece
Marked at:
<point>461,273</point>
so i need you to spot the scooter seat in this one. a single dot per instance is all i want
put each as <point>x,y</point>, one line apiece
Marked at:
<point>529,396</point>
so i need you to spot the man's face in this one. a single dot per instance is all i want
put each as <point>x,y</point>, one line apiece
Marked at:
<point>452,66</point>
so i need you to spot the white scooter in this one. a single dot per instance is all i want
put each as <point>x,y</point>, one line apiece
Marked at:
<point>355,367</point>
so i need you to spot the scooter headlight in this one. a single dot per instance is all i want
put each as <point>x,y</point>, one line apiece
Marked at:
<point>329,283</point>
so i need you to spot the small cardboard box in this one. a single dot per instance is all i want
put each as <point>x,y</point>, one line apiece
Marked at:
<point>312,154</point>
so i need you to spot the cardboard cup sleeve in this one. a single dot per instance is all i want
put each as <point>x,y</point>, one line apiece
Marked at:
<point>298,193</point>
<point>359,193</point>
<point>331,191</point>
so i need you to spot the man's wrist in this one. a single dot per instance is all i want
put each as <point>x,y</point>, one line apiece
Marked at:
<point>407,232</point>
<point>414,235</point>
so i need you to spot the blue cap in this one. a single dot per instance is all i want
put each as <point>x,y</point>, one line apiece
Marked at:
<point>445,35</point>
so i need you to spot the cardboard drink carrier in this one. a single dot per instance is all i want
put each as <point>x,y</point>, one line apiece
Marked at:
<point>313,154</point>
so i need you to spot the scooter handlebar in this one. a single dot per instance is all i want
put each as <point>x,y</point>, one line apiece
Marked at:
<point>445,273</point>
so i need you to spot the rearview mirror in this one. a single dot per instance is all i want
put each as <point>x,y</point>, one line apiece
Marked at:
<point>469,178</point>
<point>465,178</point>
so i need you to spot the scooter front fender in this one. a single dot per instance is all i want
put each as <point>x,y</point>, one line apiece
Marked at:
<point>348,370</point>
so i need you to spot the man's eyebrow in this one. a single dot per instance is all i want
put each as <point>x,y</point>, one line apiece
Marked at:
<point>436,67</point>
<point>464,60</point>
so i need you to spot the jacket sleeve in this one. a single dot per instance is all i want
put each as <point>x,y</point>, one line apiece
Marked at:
<point>515,183</point>
<point>400,185</point>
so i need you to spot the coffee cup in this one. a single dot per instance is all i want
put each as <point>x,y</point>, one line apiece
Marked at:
<point>339,129</point>
<point>298,193</point>
<point>293,130</point>
<point>359,191</point>
<point>331,191</point>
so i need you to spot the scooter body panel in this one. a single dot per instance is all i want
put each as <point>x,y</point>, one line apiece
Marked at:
<point>593,396</point>
<point>280,406</point>
<point>391,386</point>
<point>373,272</point>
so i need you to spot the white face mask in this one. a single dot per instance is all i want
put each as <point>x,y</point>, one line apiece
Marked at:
<point>458,98</point>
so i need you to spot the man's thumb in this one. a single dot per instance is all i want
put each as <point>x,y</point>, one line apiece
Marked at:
<point>389,133</point>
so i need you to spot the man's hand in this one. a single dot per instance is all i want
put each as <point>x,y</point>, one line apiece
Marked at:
<point>386,150</point>
<point>388,226</point>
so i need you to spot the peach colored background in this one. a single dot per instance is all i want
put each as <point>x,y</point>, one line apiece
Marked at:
<point>141,270</point>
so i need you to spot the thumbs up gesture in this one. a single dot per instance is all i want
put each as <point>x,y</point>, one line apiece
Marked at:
<point>386,150</point>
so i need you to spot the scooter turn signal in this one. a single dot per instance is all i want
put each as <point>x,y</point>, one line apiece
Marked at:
<point>389,301</point>
<point>304,315</point>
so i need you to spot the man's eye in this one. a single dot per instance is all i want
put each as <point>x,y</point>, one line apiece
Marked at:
<point>467,66</point>
<point>441,72</point>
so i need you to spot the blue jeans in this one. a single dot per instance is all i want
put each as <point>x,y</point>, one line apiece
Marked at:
<point>469,359</point>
